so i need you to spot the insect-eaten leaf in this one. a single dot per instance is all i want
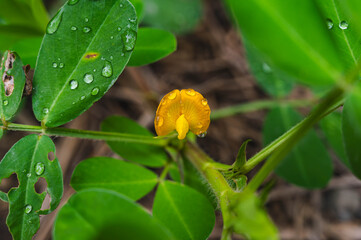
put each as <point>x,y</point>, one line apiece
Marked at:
<point>151,156</point>
<point>11,84</point>
<point>86,47</point>
<point>28,158</point>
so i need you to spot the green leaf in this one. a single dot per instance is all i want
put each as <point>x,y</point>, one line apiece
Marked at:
<point>298,45</point>
<point>241,158</point>
<point>186,213</point>
<point>1,133</point>
<point>273,81</point>
<point>343,29</point>
<point>11,85</point>
<point>103,214</point>
<point>28,158</point>
<point>28,49</point>
<point>248,216</point>
<point>351,130</point>
<point>39,13</point>
<point>332,128</point>
<point>10,34</point>
<point>87,45</point>
<point>144,154</point>
<point>308,164</point>
<point>108,173</point>
<point>177,16</point>
<point>152,45</point>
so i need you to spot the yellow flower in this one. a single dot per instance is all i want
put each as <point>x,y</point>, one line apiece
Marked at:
<point>182,111</point>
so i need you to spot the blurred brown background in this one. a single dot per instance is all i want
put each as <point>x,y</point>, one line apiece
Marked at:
<point>212,61</point>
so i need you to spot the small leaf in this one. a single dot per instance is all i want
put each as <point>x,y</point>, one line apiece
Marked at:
<point>11,84</point>
<point>351,130</point>
<point>273,81</point>
<point>86,48</point>
<point>108,173</point>
<point>144,154</point>
<point>152,44</point>
<point>186,213</point>
<point>298,45</point>
<point>332,128</point>
<point>28,158</point>
<point>28,49</point>
<point>177,16</point>
<point>241,158</point>
<point>247,216</point>
<point>106,215</point>
<point>308,164</point>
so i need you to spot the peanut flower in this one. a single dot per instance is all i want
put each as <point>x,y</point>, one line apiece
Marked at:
<point>182,111</point>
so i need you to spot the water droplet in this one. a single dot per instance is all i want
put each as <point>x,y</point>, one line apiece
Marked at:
<point>132,20</point>
<point>61,65</point>
<point>39,168</point>
<point>343,25</point>
<point>111,57</point>
<point>28,175</point>
<point>5,102</point>
<point>73,2</point>
<point>86,29</point>
<point>122,54</point>
<point>266,68</point>
<point>73,84</point>
<point>95,91</point>
<point>119,29</point>
<point>88,78</point>
<point>86,19</point>
<point>191,92</point>
<point>28,208</point>
<point>55,65</point>
<point>107,69</point>
<point>82,97</point>
<point>54,23</point>
<point>46,110</point>
<point>202,135</point>
<point>204,102</point>
<point>160,121</point>
<point>94,70</point>
<point>129,38</point>
<point>121,5</point>
<point>329,23</point>
<point>73,28</point>
<point>172,95</point>
<point>111,37</point>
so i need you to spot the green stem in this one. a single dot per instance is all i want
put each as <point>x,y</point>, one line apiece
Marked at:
<point>86,134</point>
<point>258,105</point>
<point>283,145</point>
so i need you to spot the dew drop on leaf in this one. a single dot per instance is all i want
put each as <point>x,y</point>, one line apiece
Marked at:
<point>28,208</point>
<point>61,65</point>
<point>86,29</point>
<point>119,29</point>
<point>5,102</point>
<point>129,38</point>
<point>121,5</point>
<point>329,23</point>
<point>54,23</point>
<point>73,28</point>
<point>266,68</point>
<point>86,19</point>
<point>82,97</point>
<point>107,70</point>
<point>343,25</point>
<point>73,2</point>
<point>28,175</point>
<point>73,84</point>
<point>55,65</point>
<point>88,78</point>
<point>46,110</point>
<point>95,91</point>
<point>39,168</point>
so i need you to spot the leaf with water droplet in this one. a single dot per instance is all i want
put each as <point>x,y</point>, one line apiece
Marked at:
<point>129,38</point>
<point>144,154</point>
<point>152,45</point>
<point>56,95</point>
<point>54,23</point>
<point>24,159</point>
<point>11,85</point>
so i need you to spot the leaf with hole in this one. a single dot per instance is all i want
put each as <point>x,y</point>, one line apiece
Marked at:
<point>343,28</point>
<point>351,130</point>
<point>28,158</point>
<point>186,212</point>
<point>128,179</point>
<point>177,16</point>
<point>147,155</point>
<point>308,164</point>
<point>298,45</point>
<point>152,44</point>
<point>106,215</point>
<point>86,47</point>
<point>11,85</point>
